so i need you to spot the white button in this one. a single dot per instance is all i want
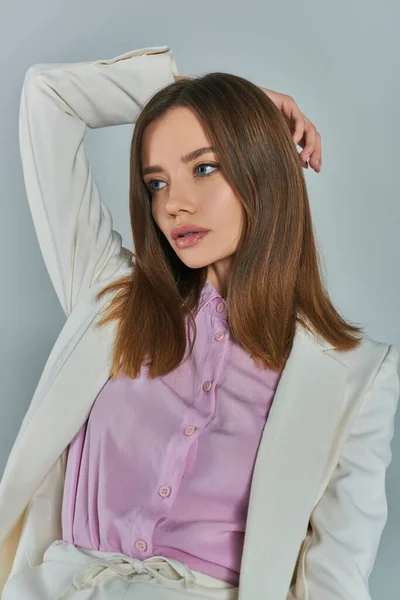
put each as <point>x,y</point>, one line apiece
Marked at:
<point>218,336</point>
<point>164,491</point>
<point>141,545</point>
<point>207,386</point>
<point>220,307</point>
<point>189,430</point>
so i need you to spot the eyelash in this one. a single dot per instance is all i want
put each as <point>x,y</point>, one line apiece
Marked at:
<point>147,184</point>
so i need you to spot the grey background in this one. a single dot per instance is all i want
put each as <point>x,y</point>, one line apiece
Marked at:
<point>340,62</point>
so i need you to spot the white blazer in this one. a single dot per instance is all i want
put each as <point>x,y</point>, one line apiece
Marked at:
<point>318,504</point>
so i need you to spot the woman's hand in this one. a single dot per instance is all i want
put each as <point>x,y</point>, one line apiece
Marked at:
<point>303,131</point>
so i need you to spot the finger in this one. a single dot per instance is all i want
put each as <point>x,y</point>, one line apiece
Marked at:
<point>316,156</point>
<point>310,135</point>
<point>299,127</point>
<point>294,117</point>
<point>297,131</point>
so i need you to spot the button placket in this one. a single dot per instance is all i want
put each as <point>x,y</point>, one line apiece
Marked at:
<point>164,491</point>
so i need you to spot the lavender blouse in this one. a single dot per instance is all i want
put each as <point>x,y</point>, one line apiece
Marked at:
<point>164,466</point>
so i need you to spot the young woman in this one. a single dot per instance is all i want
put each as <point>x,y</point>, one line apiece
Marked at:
<point>207,424</point>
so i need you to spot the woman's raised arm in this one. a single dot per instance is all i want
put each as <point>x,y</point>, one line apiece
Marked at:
<point>58,101</point>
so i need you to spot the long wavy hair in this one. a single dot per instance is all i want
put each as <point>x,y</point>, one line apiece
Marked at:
<point>275,277</point>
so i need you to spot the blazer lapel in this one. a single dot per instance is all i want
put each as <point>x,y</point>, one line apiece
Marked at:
<point>290,465</point>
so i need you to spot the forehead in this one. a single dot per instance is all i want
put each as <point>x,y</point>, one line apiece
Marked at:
<point>178,131</point>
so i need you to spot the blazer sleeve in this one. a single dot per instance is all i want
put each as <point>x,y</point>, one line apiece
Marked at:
<point>58,102</point>
<point>345,528</point>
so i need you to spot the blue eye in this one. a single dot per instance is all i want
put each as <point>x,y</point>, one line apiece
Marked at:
<point>206,165</point>
<point>212,165</point>
<point>153,181</point>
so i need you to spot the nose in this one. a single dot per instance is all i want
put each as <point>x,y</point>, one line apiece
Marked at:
<point>180,198</point>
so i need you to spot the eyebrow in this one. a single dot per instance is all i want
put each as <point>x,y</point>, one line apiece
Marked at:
<point>186,158</point>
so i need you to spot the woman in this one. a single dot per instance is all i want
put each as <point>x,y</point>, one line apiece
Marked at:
<point>251,467</point>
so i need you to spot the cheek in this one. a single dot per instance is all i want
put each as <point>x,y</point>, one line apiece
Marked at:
<point>218,197</point>
<point>227,208</point>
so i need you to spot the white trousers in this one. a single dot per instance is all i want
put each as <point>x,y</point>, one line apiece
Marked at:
<point>71,572</point>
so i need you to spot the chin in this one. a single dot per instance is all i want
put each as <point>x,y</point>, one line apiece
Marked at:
<point>192,264</point>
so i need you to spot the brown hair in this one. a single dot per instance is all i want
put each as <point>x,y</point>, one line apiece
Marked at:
<point>274,278</point>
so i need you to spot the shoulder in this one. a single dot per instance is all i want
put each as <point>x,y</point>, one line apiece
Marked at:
<point>367,357</point>
<point>370,355</point>
<point>373,384</point>
<point>373,365</point>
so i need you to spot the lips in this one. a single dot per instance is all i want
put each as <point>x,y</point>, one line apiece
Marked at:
<point>190,240</point>
<point>181,230</point>
<point>186,234</point>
